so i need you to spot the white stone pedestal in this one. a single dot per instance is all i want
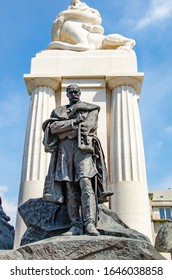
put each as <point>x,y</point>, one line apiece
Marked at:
<point>110,79</point>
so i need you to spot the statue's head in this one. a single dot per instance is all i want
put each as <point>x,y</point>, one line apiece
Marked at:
<point>93,15</point>
<point>73,92</point>
<point>73,2</point>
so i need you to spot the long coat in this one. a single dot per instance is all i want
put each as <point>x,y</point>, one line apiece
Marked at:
<point>62,121</point>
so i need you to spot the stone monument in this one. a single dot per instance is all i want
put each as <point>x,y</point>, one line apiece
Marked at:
<point>105,68</point>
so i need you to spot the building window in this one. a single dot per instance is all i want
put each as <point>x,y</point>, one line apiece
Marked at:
<point>162,213</point>
<point>165,213</point>
<point>168,213</point>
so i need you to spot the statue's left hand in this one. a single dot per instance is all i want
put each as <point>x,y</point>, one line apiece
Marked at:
<point>84,129</point>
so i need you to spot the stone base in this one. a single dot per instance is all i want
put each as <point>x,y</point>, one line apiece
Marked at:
<point>85,248</point>
<point>46,219</point>
<point>96,62</point>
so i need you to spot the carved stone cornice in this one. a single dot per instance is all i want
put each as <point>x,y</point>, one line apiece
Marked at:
<point>34,81</point>
<point>134,81</point>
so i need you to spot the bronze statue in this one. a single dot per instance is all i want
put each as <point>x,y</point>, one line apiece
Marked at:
<point>2,213</point>
<point>6,230</point>
<point>77,172</point>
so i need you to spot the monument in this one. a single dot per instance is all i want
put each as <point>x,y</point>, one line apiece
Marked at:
<point>105,69</point>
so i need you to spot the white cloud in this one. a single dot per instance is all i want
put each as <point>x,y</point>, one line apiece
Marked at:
<point>9,205</point>
<point>158,10</point>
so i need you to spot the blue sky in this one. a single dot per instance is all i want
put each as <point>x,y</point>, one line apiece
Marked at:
<point>25,28</point>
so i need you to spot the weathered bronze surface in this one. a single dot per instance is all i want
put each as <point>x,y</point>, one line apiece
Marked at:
<point>6,230</point>
<point>77,173</point>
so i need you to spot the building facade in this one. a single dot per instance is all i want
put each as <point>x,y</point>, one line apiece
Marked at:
<point>161,208</point>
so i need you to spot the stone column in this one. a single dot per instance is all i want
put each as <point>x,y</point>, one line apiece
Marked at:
<point>127,160</point>
<point>35,160</point>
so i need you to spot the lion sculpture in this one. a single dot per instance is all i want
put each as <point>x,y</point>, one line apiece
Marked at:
<point>79,28</point>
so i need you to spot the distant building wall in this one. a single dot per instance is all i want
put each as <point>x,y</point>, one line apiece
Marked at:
<point>161,208</point>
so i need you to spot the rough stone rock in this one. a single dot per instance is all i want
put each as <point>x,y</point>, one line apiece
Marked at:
<point>46,219</point>
<point>6,231</point>
<point>163,241</point>
<point>43,220</point>
<point>85,248</point>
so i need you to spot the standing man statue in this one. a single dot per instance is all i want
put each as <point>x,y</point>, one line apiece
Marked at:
<point>77,173</point>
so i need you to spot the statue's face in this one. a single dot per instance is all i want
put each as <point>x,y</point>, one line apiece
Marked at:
<point>73,93</point>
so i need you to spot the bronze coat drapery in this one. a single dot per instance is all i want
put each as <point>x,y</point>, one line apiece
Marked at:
<point>67,113</point>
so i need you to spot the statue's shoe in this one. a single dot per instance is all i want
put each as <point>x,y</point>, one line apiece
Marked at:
<point>74,230</point>
<point>90,229</point>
